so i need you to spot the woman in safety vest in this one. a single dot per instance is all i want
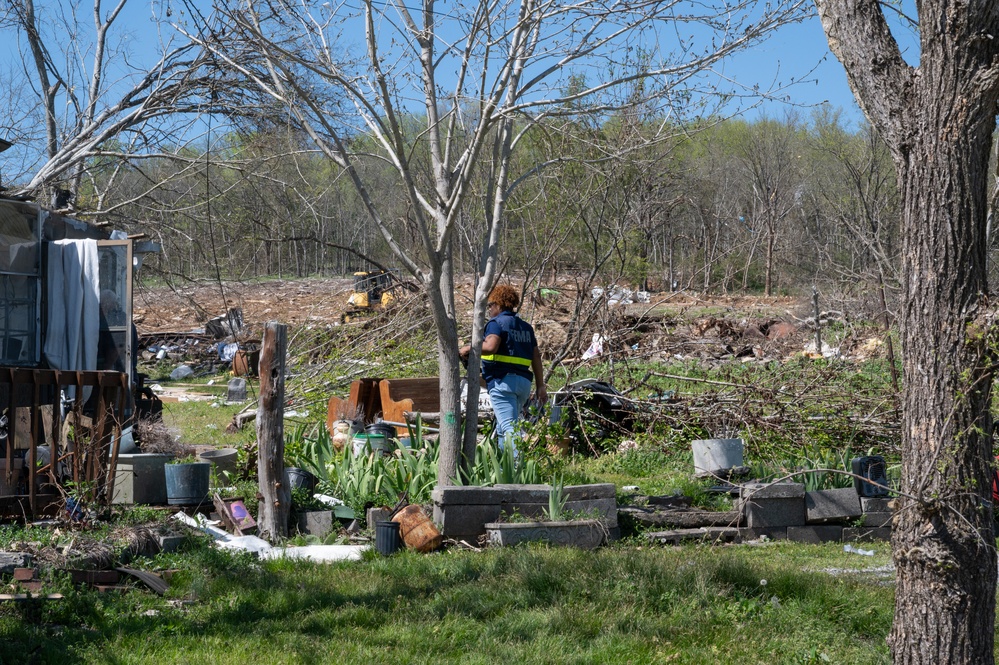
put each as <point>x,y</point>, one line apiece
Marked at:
<point>509,354</point>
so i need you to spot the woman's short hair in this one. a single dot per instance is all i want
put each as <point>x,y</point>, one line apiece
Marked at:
<point>505,296</point>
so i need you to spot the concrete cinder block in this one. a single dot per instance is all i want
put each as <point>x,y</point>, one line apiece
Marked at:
<point>465,522</point>
<point>767,513</point>
<point>375,515</point>
<point>447,496</point>
<point>523,493</point>
<point>236,391</point>
<point>755,491</point>
<point>462,512</point>
<point>316,523</point>
<point>875,504</point>
<point>837,505</point>
<point>594,491</point>
<point>876,520</point>
<point>815,534</point>
<point>865,534</point>
<point>170,543</point>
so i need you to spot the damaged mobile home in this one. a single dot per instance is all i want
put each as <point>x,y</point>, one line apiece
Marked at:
<point>67,378</point>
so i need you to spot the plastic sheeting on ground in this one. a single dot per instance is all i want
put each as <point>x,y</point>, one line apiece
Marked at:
<point>225,540</point>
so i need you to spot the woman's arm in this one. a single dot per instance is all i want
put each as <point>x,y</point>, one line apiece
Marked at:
<point>539,376</point>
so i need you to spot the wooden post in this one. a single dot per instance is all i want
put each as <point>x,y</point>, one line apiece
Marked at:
<point>275,502</point>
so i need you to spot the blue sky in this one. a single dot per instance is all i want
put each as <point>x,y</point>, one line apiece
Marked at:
<point>801,53</point>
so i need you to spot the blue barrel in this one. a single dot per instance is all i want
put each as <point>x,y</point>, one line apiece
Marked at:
<point>387,538</point>
<point>187,484</point>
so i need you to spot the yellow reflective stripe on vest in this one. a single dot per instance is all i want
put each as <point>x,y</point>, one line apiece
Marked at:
<point>513,360</point>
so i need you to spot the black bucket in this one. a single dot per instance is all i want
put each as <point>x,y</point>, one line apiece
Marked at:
<point>300,479</point>
<point>387,539</point>
<point>381,428</point>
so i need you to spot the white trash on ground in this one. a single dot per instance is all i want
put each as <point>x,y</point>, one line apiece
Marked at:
<point>856,550</point>
<point>225,540</point>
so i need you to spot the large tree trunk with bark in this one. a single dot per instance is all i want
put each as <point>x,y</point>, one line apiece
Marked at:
<point>938,121</point>
<point>943,541</point>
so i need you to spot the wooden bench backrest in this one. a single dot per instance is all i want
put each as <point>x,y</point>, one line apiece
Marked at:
<point>402,395</point>
<point>364,393</point>
<point>425,392</point>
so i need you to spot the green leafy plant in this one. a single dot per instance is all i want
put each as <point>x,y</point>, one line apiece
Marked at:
<point>820,469</point>
<point>312,453</point>
<point>557,499</point>
<point>186,459</point>
<point>302,500</point>
<point>495,467</point>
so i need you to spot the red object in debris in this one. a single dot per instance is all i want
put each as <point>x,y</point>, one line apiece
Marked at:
<point>24,574</point>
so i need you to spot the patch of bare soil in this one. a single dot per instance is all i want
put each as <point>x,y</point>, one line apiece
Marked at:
<point>670,325</point>
<point>164,309</point>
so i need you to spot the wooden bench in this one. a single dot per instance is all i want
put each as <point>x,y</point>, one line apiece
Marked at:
<point>364,397</point>
<point>394,400</point>
<point>402,397</point>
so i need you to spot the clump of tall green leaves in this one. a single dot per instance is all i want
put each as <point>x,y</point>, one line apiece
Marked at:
<point>557,499</point>
<point>818,470</point>
<point>382,479</point>
<point>501,467</point>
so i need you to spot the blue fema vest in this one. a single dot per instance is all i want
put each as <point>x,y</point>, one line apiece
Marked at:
<point>516,348</point>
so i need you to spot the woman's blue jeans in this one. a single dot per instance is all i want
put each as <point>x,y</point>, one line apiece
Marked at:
<point>509,395</point>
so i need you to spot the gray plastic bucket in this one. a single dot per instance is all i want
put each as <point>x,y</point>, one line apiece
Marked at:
<point>224,459</point>
<point>187,484</point>
<point>714,455</point>
<point>369,443</point>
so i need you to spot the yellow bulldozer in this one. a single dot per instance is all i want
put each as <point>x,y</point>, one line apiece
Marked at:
<point>372,291</point>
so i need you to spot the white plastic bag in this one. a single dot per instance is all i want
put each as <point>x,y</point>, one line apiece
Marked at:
<point>596,347</point>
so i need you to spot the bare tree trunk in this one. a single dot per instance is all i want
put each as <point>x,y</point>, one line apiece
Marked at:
<point>276,502</point>
<point>768,288</point>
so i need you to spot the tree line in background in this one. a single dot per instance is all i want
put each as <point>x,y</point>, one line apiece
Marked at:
<point>769,206</point>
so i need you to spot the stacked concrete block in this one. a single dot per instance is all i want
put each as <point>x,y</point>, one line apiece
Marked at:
<point>830,506</point>
<point>777,505</point>
<point>877,512</point>
<point>462,512</point>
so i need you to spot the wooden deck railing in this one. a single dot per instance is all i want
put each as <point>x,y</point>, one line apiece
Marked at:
<point>83,447</point>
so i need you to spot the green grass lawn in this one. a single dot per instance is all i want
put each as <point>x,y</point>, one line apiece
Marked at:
<point>775,603</point>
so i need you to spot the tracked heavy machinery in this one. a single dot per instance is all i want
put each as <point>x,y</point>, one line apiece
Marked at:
<point>372,292</point>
